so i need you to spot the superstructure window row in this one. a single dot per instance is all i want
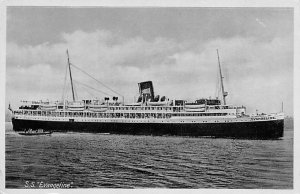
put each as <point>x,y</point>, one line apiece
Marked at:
<point>199,114</point>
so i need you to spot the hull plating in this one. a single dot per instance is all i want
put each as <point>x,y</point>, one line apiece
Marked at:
<point>251,130</point>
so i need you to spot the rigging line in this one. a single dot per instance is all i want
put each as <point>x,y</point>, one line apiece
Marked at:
<point>92,94</point>
<point>93,88</point>
<point>96,80</point>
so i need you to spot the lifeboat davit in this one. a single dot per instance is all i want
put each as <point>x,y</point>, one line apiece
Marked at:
<point>98,106</point>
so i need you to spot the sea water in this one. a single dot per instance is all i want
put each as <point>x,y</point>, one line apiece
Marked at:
<point>89,160</point>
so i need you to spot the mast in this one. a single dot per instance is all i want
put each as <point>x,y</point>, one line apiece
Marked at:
<point>71,76</point>
<point>224,94</point>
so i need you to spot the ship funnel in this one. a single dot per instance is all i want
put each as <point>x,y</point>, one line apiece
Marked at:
<point>146,90</point>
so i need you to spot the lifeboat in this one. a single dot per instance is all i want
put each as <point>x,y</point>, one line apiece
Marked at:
<point>134,104</point>
<point>194,106</point>
<point>76,106</point>
<point>98,107</point>
<point>194,109</point>
<point>157,103</point>
<point>48,107</point>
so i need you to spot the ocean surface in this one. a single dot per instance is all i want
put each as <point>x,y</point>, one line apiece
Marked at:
<point>87,160</point>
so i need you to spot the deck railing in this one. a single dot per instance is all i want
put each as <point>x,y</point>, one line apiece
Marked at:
<point>137,115</point>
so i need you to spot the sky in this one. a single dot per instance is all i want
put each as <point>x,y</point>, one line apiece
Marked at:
<point>173,47</point>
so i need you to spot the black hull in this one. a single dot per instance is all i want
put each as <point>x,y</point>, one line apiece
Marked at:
<point>245,130</point>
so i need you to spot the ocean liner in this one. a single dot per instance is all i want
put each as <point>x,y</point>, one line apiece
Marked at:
<point>150,114</point>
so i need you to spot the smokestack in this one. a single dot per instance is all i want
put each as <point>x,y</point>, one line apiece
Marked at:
<point>146,90</point>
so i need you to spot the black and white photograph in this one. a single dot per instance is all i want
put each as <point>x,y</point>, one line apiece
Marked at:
<point>149,97</point>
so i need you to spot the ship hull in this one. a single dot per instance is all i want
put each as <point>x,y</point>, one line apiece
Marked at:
<point>271,129</point>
